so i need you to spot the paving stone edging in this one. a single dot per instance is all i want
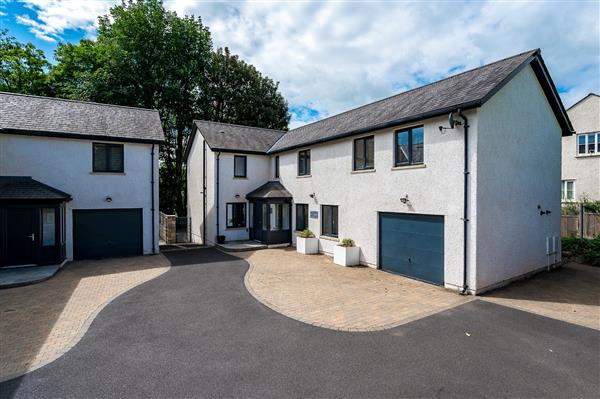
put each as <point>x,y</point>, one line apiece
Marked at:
<point>374,328</point>
<point>81,332</point>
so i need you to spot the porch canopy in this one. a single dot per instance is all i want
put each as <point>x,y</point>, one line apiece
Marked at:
<point>24,188</point>
<point>269,190</point>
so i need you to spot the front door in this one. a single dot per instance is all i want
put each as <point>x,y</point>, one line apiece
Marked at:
<point>22,237</point>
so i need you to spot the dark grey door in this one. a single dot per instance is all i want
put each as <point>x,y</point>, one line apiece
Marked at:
<point>104,233</point>
<point>22,236</point>
<point>412,245</point>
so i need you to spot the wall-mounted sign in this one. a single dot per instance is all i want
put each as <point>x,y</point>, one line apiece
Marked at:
<point>314,214</point>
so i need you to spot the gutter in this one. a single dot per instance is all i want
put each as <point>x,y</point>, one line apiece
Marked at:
<point>152,197</point>
<point>465,123</point>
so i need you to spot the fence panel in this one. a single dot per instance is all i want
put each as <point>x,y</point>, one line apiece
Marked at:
<point>569,225</point>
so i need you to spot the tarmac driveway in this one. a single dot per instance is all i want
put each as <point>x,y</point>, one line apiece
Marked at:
<point>196,332</point>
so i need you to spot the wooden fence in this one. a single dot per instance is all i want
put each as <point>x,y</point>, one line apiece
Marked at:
<point>569,225</point>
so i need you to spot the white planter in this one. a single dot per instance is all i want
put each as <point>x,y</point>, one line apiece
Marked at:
<point>307,246</point>
<point>346,256</point>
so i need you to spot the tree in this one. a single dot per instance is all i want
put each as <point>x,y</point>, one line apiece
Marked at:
<point>76,71</point>
<point>22,67</point>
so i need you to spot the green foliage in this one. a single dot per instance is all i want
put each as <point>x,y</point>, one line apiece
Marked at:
<point>146,56</point>
<point>22,67</point>
<point>589,205</point>
<point>587,249</point>
<point>306,234</point>
<point>347,242</point>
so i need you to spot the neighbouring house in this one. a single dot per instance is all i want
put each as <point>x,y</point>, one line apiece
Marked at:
<point>581,152</point>
<point>77,180</point>
<point>470,206</point>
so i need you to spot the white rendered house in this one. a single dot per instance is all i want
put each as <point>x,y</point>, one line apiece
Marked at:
<point>470,206</point>
<point>77,180</point>
<point>581,152</point>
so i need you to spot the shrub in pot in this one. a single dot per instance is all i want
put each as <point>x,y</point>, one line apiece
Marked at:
<point>307,243</point>
<point>346,253</point>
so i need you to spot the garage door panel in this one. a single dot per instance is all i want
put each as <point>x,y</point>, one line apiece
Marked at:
<point>412,245</point>
<point>102,233</point>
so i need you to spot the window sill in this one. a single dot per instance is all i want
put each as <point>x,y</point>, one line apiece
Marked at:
<point>108,173</point>
<point>587,155</point>
<point>235,228</point>
<point>359,171</point>
<point>408,167</point>
<point>330,238</point>
<point>240,177</point>
<point>303,176</point>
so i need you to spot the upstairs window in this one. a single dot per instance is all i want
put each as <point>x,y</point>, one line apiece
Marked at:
<point>588,144</point>
<point>276,166</point>
<point>304,163</point>
<point>107,158</point>
<point>409,145</point>
<point>567,190</point>
<point>239,166</point>
<point>364,153</point>
<point>301,217</point>
<point>236,215</point>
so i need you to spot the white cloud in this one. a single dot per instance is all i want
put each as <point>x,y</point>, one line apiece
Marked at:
<point>332,56</point>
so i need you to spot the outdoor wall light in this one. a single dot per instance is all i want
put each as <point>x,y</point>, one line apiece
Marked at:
<point>311,195</point>
<point>237,196</point>
<point>108,199</point>
<point>405,199</point>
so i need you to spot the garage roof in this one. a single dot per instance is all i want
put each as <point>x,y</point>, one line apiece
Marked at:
<point>56,117</point>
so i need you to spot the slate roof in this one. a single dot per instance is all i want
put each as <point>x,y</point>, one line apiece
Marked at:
<point>227,137</point>
<point>46,116</point>
<point>465,90</point>
<point>26,188</point>
<point>272,189</point>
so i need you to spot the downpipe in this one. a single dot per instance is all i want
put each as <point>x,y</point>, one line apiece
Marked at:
<point>465,288</point>
<point>152,197</point>
<point>218,158</point>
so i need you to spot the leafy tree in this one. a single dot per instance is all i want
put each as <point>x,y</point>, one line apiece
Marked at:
<point>76,71</point>
<point>22,66</point>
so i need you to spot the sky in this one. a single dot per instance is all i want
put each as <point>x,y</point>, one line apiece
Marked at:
<point>331,56</point>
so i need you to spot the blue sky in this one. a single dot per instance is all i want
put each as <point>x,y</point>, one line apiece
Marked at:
<point>335,55</point>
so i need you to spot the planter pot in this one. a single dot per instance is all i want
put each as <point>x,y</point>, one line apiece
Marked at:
<point>220,239</point>
<point>307,246</point>
<point>346,256</point>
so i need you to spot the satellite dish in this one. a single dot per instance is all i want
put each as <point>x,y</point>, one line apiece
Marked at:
<point>451,120</point>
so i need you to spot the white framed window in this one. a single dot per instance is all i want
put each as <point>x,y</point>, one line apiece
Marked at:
<point>567,190</point>
<point>588,143</point>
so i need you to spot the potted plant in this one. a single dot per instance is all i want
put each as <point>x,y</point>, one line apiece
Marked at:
<point>346,253</point>
<point>306,243</point>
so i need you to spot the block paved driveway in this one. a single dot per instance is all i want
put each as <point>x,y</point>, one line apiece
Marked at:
<point>196,332</point>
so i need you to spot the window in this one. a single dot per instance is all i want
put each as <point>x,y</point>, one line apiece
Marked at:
<point>48,227</point>
<point>280,217</point>
<point>588,144</point>
<point>364,156</point>
<point>239,166</point>
<point>236,214</point>
<point>567,190</point>
<point>301,217</point>
<point>107,157</point>
<point>409,146</point>
<point>276,166</point>
<point>304,163</point>
<point>329,220</point>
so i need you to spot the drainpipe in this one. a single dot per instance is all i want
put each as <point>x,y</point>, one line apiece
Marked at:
<point>465,287</point>
<point>204,193</point>
<point>152,196</point>
<point>218,156</point>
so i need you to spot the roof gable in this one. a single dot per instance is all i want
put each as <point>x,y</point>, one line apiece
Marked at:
<point>46,116</point>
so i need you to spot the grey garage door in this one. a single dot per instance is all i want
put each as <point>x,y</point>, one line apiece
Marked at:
<point>104,233</point>
<point>412,245</point>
